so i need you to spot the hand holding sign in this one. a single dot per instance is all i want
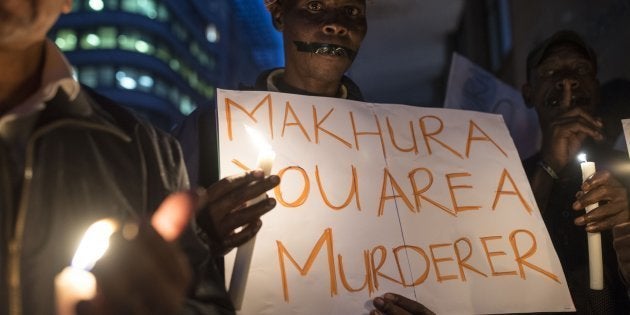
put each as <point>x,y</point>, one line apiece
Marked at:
<point>394,304</point>
<point>225,209</point>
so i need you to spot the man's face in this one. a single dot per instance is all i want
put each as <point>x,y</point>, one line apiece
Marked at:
<point>24,22</point>
<point>321,37</point>
<point>564,80</point>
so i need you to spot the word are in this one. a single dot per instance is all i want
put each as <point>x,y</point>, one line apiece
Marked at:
<point>392,189</point>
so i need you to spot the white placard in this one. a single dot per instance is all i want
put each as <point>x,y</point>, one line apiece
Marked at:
<point>426,202</point>
<point>626,134</point>
<point>472,87</point>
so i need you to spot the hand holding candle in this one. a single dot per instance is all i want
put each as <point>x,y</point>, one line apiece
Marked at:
<point>244,252</point>
<point>137,268</point>
<point>76,283</point>
<point>596,272</point>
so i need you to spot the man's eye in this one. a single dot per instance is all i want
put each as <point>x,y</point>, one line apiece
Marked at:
<point>314,6</point>
<point>548,73</point>
<point>353,11</point>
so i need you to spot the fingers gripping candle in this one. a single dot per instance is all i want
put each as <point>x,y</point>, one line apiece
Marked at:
<point>596,271</point>
<point>244,252</point>
<point>76,282</point>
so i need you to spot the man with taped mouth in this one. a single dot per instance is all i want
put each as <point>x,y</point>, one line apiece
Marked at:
<point>562,86</point>
<point>321,39</point>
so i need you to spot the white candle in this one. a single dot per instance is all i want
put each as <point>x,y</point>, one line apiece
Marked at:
<point>596,270</point>
<point>244,253</point>
<point>71,286</point>
<point>76,283</point>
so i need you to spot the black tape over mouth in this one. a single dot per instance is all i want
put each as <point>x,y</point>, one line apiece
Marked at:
<point>325,49</point>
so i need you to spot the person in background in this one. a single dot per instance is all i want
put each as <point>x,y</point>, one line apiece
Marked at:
<point>69,157</point>
<point>562,86</point>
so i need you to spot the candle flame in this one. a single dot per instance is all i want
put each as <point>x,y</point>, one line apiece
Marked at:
<point>582,157</point>
<point>94,244</point>
<point>258,139</point>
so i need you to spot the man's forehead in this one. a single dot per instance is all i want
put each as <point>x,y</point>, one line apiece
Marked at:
<point>563,49</point>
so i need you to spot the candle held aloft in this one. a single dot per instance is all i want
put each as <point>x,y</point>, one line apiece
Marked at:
<point>595,263</point>
<point>76,283</point>
<point>244,253</point>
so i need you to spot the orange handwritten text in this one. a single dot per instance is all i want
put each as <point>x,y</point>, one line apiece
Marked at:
<point>515,253</point>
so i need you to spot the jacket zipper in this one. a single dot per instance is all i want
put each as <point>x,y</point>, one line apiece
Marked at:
<point>15,243</point>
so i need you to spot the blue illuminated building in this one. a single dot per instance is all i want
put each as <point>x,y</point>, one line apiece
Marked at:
<point>164,58</point>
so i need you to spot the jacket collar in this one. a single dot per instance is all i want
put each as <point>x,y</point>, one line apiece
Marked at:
<point>83,109</point>
<point>271,80</point>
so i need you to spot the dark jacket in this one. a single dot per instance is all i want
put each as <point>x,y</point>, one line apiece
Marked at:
<point>85,160</point>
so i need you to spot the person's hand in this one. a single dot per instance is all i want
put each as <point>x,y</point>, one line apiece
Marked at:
<point>612,196</point>
<point>563,137</point>
<point>223,209</point>
<point>394,304</point>
<point>621,243</point>
<point>143,271</point>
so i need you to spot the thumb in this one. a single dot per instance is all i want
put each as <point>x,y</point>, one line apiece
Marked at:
<point>173,215</point>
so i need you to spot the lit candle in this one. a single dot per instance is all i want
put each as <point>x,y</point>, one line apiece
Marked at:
<point>596,271</point>
<point>244,253</point>
<point>76,282</point>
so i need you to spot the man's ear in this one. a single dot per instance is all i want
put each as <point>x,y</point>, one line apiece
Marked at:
<point>277,16</point>
<point>66,7</point>
<point>526,90</point>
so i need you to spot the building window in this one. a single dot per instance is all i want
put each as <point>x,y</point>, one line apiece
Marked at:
<point>108,36</point>
<point>161,89</point>
<point>145,82</point>
<point>148,8</point>
<point>130,5</point>
<point>212,33</point>
<point>111,4</point>
<point>162,13</point>
<point>127,41</point>
<point>76,6</point>
<point>89,76</point>
<point>66,40</point>
<point>96,5</point>
<point>186,106</point>
<point>126,78</point>
<point>106,76</point>
<point>90,41</point>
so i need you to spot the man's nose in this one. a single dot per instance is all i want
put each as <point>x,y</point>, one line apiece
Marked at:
<point>335,28</point>
<point>334,24</point>
<point>567,83</point>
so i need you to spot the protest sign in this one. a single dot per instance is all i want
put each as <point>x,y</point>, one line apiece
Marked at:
<point>472,87</point>
<point>429,203</point>
<point>625,137</point>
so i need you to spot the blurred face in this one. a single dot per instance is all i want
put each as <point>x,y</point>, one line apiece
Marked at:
<point>321,37</point>
<point>24,22</point>
<point>565,79</point>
